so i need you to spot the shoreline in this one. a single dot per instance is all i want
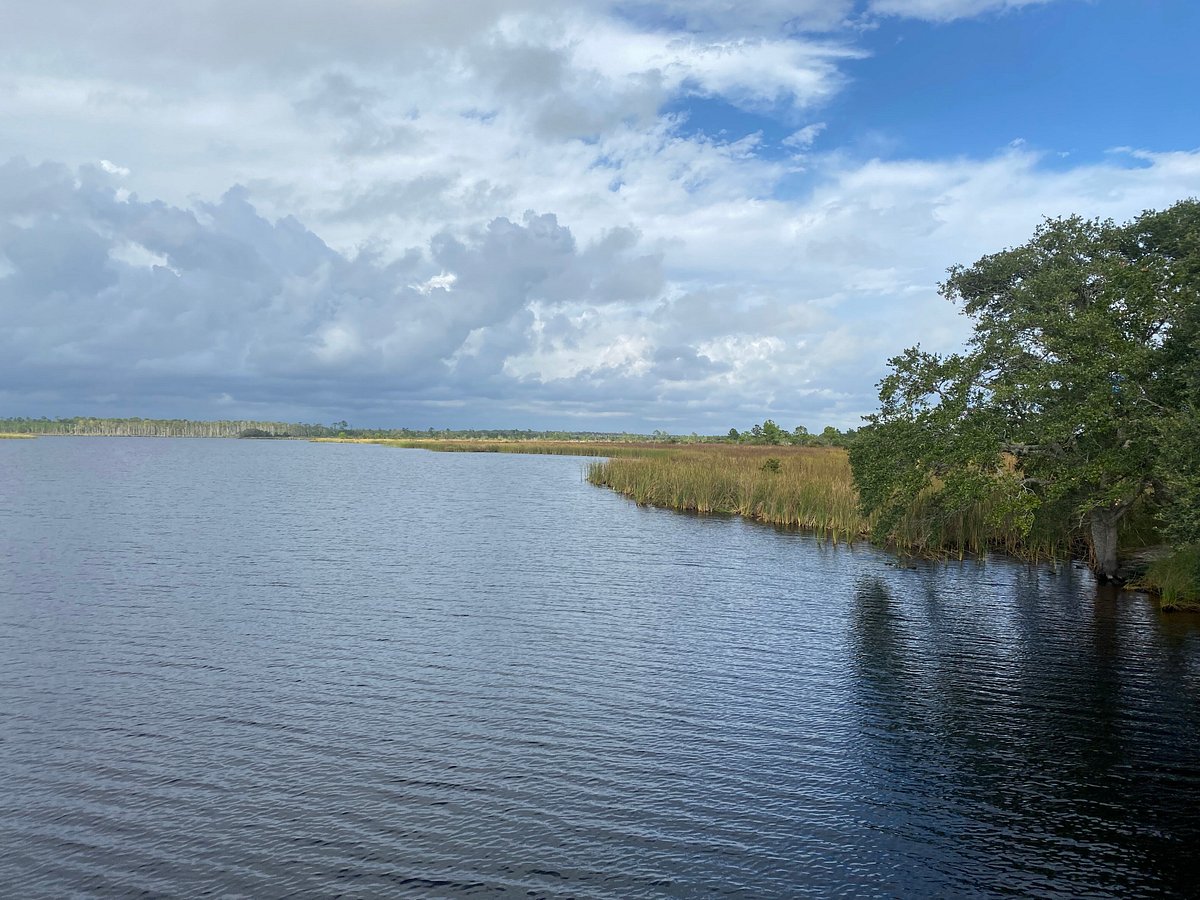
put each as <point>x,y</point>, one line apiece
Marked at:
<point>793,488</point>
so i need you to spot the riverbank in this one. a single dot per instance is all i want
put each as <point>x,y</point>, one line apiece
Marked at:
<point>783,485</point>
<point>810,488</point>
<point>8,436</point>
<point>792,487</point>
<point>813,488</point>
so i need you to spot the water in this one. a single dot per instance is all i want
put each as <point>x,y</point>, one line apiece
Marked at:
<point>281,668</point>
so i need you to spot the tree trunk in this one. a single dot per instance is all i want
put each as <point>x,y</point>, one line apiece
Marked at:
<point>1104,543</point>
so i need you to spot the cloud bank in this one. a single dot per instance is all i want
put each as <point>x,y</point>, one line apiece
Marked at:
<point>490,213</point>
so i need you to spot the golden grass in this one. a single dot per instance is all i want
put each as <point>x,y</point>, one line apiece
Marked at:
<point>9,436</point>
<point>926,529</point>
<point>810,488</point>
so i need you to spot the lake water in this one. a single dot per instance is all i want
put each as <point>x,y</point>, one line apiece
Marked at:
<point>283,668</point>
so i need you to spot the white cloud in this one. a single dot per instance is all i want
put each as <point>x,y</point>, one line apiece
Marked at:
<point>745,70</point>
<point>134,254</point>
<point>946,10</point>
<point>113,169</point>
<point>380,257</point>
<point>789,314</point>
<point>757,16</point>
<point>804,138</point>
<point>443,281</point>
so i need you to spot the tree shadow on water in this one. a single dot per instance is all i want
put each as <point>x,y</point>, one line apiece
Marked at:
<point>1019,748</point>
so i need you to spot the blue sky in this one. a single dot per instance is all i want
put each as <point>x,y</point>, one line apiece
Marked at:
<point>588,214</point>
<point>1071,78</point>
<point>1076,78</point>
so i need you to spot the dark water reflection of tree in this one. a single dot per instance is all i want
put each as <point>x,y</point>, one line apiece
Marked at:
<point>1051,733</point>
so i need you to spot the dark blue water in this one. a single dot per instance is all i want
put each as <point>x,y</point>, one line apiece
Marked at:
<point>282,668</point>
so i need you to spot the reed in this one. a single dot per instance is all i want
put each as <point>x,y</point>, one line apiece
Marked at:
<point>928,528</point>
<point>1176,579</point>
<point>792,487</point>
<point>813,488</point>
<point>786,486</point>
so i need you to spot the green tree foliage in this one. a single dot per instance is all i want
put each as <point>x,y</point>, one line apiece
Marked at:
<point>830,436</point>
<point>772,433</point>
<point>1075,399</point>
<point>1174,238</point>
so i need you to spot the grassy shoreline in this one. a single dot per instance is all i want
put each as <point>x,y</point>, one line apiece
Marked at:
<point>791,487</point>
<point>810,488</point>
<point>11,436</point>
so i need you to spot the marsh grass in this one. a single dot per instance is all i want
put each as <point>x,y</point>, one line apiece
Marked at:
<point>1176,579</point>
<point>813,488</point>
<point>8,436</point>
<point>929,529</point>
<point>805,487</point>
<point>790,487</point>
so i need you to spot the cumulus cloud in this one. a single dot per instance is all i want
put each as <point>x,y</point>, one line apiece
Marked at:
<point>138,302</point>
<point>487,212</point>
<point>108,297</point>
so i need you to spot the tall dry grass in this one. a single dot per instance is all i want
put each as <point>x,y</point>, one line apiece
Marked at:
<point>811,488</point>
<point>807,487</point>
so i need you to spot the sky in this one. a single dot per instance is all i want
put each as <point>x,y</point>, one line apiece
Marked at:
<point>609,215</point>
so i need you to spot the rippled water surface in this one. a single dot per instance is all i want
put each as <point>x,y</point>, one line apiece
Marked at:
<point>278,668</point>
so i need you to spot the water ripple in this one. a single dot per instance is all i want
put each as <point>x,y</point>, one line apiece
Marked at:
<point>268,669</point>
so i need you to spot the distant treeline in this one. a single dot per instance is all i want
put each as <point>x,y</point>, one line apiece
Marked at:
<point>231,428</point>
<point>767,433</point>
<point>770,434</point>
<point>135,427</point>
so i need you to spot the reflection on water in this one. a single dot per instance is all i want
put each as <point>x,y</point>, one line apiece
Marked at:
<point>1053,736</point>
<point>274,668</point>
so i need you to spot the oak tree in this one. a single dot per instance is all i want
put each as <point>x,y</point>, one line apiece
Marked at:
<point>1076,396</point>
